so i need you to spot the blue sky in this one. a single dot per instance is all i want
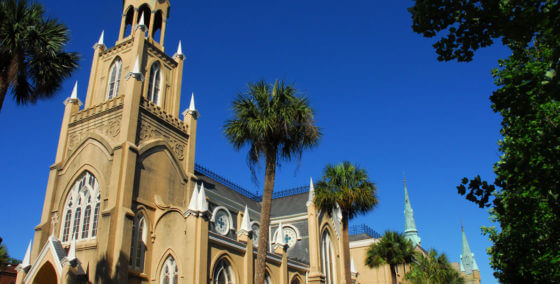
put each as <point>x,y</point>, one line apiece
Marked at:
<point>381,98</point>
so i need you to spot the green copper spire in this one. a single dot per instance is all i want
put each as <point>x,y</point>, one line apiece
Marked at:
<point>467,264</point>
<point>410,232</point>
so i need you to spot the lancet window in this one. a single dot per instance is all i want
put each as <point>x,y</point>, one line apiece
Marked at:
<point>79,223</point>
<point>154,86</point>
<point>114,79</point>
<point>223,273</point>
<point>169,272</point>
<point>328,259</point>
<point>139,240</point>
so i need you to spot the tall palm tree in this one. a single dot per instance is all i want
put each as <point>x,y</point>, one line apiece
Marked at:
<point>433,269</point>
<point>347,187</point>
<point>33,63</point>
<point>393,249</point>
<point>276,124</point>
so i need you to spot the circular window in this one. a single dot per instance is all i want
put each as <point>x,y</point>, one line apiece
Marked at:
<point>290,236</point>
<point>221,222</point>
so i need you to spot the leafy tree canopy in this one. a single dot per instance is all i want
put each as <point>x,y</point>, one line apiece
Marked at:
<point>433,268</point>
<point>524,198</point>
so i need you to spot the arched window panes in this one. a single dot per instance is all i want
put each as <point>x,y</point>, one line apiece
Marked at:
<point>114,79</point>
<point>154,86</point>
<point>295,281</point>
<point>84,195</point>
<point>138,248</point>
<point>169,272</point>
<point>328,259</point>
<point>223,273</point>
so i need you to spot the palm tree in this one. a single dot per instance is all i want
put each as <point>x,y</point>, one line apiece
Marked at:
<point>276,124</point>
<point>33,63</point>
<point>433,268</point>
<point>393,249</point>
<point>347,187</point>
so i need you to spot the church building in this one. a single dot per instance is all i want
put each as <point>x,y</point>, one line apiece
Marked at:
<point>127,203</point>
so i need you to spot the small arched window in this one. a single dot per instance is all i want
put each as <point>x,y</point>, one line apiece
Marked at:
<point>267,279</point>
<point>78,219</point>
<point>169,272</point>
<point>114,79</point>
<point>328,259</point>
<point>223,274</point>
<point>129,18</point>
<point>154,86</point>
<point>139,240</point>
<point>295,281</point>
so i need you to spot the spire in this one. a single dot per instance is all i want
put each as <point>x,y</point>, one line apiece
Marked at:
<point>100,42</point>
<point>245,223</point>
<point>141,23</point>
<point>191,105</point>
<point>311,192</point>
<point>136,73</point>
<point>26,263</point>
<point>468,263</point>
<point>202,205</point>
<point>280,236</point>
<point>74,94</point>
<point>179,54</point>
<point>193,205</point>
<point>410,231</point>
<point>72,251</point>
<point>191,110</point>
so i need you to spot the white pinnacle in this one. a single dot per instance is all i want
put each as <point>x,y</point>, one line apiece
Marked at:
<point>245,222</point>
<point>136,69</point>
<point>280,235</point>
<point>180,49</point>
<point>74,94</point>
<point>191,106</point>
<point>101,38</point>
<point>202,205</point>
<point>311,192</point>
<point>72,251</point>
<point>27,258</point>
<point>193,205</point>
<point>353,266</point>
<point>142,22</point>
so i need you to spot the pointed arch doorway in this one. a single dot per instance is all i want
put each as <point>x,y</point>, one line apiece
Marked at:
<point>46,275</point>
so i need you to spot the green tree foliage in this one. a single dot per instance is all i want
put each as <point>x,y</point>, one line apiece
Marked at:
<point>33,63</point>
<point>347,187</point>
<point>276,124</point>
<point>393,249</point>
<point>524,198</point>
<point>432,268</point>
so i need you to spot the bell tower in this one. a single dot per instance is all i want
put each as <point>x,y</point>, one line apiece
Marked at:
<point>125,159</point>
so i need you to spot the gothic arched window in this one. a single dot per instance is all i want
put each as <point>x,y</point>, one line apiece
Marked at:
<point>114,79</point>
<point>223,273</point>
<point>169,272</point>
<point>84,195</point>
<point>267,279</point>
<point>327,259</point>
<point>139,240</point>
<point>154,86</point>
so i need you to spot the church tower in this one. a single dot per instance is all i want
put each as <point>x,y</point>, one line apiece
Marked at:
<point>410,231</point>
<point>469,268</point>
<point>124,161</point>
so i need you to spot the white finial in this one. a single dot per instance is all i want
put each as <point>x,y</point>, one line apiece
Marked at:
<point>311,192</point>
<point>72,251</point>
<point>353,266</point>
<point>202,205</point>
<point>142,21</point>
<point>191,105</point>
<point>75,91</point>
<point>280,235</point>
<point>179,52</point>
<point>136,68</point>
<point>193,205</point>
<point>136,71</point>
<point>245,223</point>
<point>27,258</point>
<point>101,38</point>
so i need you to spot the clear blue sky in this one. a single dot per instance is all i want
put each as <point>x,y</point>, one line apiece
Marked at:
<point>381,98</point>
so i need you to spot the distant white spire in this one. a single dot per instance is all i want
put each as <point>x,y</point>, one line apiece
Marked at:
<point>27,258</point>
<point>191,105</point>
<point>193,205</point>
<point>141,23</point>
<point>101,38</point>
<point>202,205</point>
<point>74,94</point>
<point>245,223</point>
<point>179,52</point>
<point>311,192</point>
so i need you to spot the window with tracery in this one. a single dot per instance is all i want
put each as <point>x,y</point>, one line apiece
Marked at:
<point>139,240</point>
<point>223,273</point>
<point>114,79</point>
<point>169,272</point>
<point>154,86</point>
<point>79,223</point>
<point>328,259</point>
<point>267,279</point>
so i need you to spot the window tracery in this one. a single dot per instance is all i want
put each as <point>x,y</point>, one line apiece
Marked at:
<point>83,196</point>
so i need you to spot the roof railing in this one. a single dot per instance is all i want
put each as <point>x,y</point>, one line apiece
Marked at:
<point>364,229</point>
<point>290,192</point>
<point>227,182</point>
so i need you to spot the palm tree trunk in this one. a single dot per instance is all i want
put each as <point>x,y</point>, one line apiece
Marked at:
<point>346,248</point>
<point>393,275</point>
<point>270,173</point>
